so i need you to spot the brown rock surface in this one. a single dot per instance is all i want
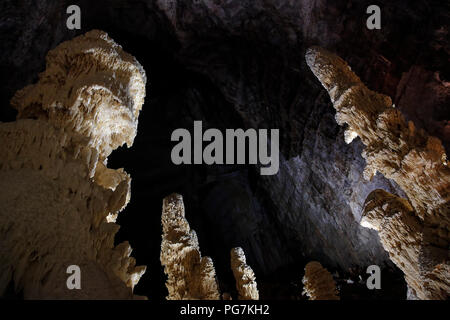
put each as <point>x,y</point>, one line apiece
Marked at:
<point>244,275</point>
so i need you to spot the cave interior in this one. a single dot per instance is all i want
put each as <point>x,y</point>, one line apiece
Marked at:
<point>243,67</point>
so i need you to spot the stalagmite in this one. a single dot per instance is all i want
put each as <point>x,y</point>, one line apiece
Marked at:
<point>189,275</point>
<point>404,236</point>
<point>318,283</point>
<point>415,231</point>
<point>244,276</point>
<point>59,199</point>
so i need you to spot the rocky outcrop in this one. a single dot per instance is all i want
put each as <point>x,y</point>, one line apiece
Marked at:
<point>189,275</point>
<point>415,231</point>
<point>244,276</point>
<point>59,199</point>
<point>318,283</point>
<point>90,86</point>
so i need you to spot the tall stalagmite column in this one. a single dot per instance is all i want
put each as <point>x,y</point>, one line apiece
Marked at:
<point>318,283</point>
<point>244,276</point>
<point>59,199</point>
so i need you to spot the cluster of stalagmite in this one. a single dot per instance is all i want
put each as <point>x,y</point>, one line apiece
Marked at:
<point>244,276</point>
<point>318,283</point>
<point>189,275</point>
<point>415,231</point>
<point>59,199</point>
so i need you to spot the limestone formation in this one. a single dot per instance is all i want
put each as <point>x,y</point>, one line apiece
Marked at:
<point>415,231</point>
<point>189,275</point>
<point>318,283</point>
<point>59,199</point>
<point>244,275</point>
<point>90,86</point>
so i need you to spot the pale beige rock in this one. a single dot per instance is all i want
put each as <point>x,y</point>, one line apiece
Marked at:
<point>244,276</point>
<point>415,231</point>
<point>189,275</point>
<point>58,197</point>
<point>90,86</point>
<point>409,243</point>
<point>318,283</point>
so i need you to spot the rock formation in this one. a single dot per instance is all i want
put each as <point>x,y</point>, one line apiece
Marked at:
<point>189,275</point>
<point>318,283</point>
<point>414,231</point>
<point>244,275</point>
<point>59,199</point>
<point>240,64</point>
<point>410,244</point>
<point>90,86</point>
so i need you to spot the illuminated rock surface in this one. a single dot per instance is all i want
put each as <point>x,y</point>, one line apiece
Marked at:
<point>59,200</point>
<point>240,64</point>
<point>415,231</point>
<point>90,86</point>
<point>244,275</point>
<point>318,283</point>
<point>189,275</point>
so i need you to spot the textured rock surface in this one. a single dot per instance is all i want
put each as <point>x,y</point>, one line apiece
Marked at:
<point>318,283</point>
<point>244,275</point>
<point>317,196</point>
<point>59,200</point>
<point>189,275</point>
<point>415,233</point>
<point>410,244</point>
<point>90,86</point>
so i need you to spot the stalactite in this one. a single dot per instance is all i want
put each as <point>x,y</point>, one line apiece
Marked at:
<point>415,231</point>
